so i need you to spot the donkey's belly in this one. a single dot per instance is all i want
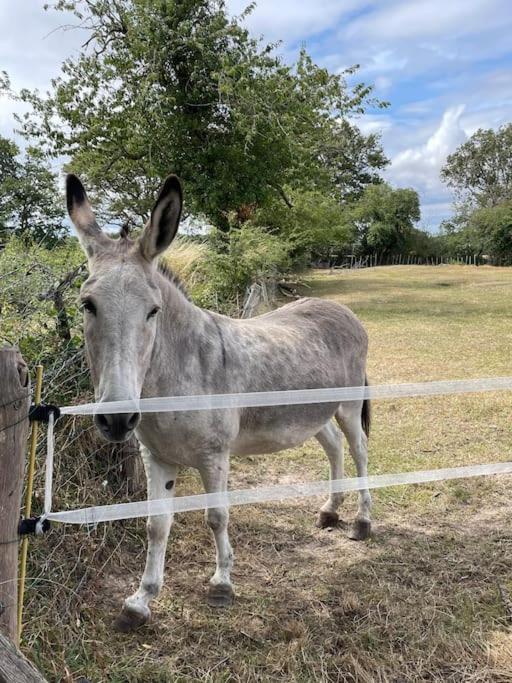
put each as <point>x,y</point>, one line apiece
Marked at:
<point>187,437</point>
<point>267,430</point>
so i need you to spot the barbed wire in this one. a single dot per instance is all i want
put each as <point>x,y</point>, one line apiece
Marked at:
<point>14,400</point>
<point>13,424</point>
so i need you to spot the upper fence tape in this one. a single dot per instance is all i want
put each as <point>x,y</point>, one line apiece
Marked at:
<point>166,404</point>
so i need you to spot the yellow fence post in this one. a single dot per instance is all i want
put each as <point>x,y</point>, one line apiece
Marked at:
<point>28,499</point>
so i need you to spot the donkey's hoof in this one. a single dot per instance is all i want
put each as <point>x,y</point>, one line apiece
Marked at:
<point>361,530</point>
<point>220,595</point>
<point>129,620</point>
<point>327,519</point>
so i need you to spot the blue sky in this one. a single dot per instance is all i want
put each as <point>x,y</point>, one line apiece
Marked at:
<point>444,65</point>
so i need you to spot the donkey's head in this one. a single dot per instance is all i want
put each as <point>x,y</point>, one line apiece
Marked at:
<point>121,300</point>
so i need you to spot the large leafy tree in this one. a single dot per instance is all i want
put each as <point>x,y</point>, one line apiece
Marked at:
<point>30,204</point>
<point>486,230</point>
<point>480,170</point>
<point>353,160</point>
<point>179,86</point>
<point>384,218</point>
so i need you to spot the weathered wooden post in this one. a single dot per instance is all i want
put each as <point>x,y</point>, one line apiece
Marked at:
<point>14,407</point>
<point>14,668</point>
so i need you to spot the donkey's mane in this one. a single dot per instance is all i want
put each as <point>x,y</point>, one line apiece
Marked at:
<point>166,271</point>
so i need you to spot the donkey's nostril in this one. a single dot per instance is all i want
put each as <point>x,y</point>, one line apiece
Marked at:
<point>133,420</point>
<point>102,421</point>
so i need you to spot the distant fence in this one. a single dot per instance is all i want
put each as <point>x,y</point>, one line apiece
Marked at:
<point>372,260</point>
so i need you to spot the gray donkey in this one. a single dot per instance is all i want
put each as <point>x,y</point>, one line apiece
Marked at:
<point>144,338</point>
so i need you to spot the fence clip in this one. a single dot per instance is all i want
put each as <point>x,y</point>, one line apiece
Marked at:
<point>33,525</point>
<point>42,411</point>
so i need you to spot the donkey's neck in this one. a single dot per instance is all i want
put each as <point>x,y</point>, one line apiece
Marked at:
<point>180,334</point>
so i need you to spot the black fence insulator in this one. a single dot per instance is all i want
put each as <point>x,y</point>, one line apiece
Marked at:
<point>42,412</point>
<point>33,525</point>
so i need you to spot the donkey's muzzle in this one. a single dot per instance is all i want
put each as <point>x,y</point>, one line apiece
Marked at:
<point>117,427</point>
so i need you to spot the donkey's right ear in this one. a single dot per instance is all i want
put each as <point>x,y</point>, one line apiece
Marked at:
<point>80,211</point>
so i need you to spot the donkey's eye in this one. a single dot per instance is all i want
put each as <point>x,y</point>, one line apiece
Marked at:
<point>153,312</point>
<point>88,305</point>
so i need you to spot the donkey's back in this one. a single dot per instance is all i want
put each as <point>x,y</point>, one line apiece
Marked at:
<point>307,344</point>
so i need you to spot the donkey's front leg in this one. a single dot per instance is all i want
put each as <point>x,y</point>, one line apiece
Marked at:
<point>161,480</point>
<point>214,473</point>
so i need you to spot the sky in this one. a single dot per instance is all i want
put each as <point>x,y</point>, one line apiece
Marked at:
<point>445,66</point>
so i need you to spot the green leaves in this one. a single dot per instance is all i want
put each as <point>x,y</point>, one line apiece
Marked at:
<point>384,218</point>
<point>180,87</point>
<point>30,204</point>
<point>480,171</point>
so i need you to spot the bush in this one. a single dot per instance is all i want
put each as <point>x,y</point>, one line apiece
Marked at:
<point>234,261</point>
<point>311,226</point>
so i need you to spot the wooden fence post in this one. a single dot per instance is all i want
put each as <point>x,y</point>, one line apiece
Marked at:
<point>14,668</point>
<point>14,407</point>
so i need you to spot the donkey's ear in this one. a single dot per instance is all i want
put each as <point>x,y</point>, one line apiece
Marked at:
<point>165,219</point>
<point>89,233</point>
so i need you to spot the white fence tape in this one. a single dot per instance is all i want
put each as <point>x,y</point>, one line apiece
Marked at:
<point>259,399</point>
<point>109,513</point>
<point>48,477</point>
<point>105,513</point>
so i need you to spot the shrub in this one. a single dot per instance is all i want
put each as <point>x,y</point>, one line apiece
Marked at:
<point>239,258</point>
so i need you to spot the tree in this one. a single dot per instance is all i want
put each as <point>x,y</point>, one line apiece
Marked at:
<point>9,168</point>
<point>384,218</point>
<point>480,170</point>
<point>30,204</point>
<point>178,86</point>
<point>492,227</point>
<point>313,224</point>
<point>353,160</point>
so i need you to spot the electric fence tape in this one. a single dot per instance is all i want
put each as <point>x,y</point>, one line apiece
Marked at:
<point>104,513</point>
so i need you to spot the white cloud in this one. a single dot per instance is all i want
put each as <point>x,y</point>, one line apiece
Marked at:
<point>7,122</point>
<point>373,123</point>
<point>385,60</point>
<point>417,19</point>
<point>382,84</point>
<point>33,43</point>
<point>420,166</point>
<point>290,20</point>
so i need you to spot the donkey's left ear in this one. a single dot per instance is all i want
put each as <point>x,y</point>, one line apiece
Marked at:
<point>165,219</point>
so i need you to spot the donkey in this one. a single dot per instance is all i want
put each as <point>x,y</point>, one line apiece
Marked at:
<point>145,338</point>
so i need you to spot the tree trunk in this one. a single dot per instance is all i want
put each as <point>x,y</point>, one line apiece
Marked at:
<point>14,407</point>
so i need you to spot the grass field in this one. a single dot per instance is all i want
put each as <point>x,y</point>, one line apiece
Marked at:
<point>425,599</point>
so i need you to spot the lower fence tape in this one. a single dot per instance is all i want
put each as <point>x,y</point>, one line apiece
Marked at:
<point>109,513</point>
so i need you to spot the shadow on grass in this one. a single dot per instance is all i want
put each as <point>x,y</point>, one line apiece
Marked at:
<point>415,603</point>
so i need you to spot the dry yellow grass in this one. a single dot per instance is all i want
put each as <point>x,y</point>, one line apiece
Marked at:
<point>424,600</point>
<point>184,258</point>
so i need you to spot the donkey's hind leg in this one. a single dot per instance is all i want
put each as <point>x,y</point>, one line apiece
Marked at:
<point>331,440</point>
<point>349,419</point>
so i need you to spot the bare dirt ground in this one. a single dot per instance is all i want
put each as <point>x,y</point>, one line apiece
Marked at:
<point>427,598</point>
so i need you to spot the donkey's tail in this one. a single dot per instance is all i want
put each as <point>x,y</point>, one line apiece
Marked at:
<point>366,413</point>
